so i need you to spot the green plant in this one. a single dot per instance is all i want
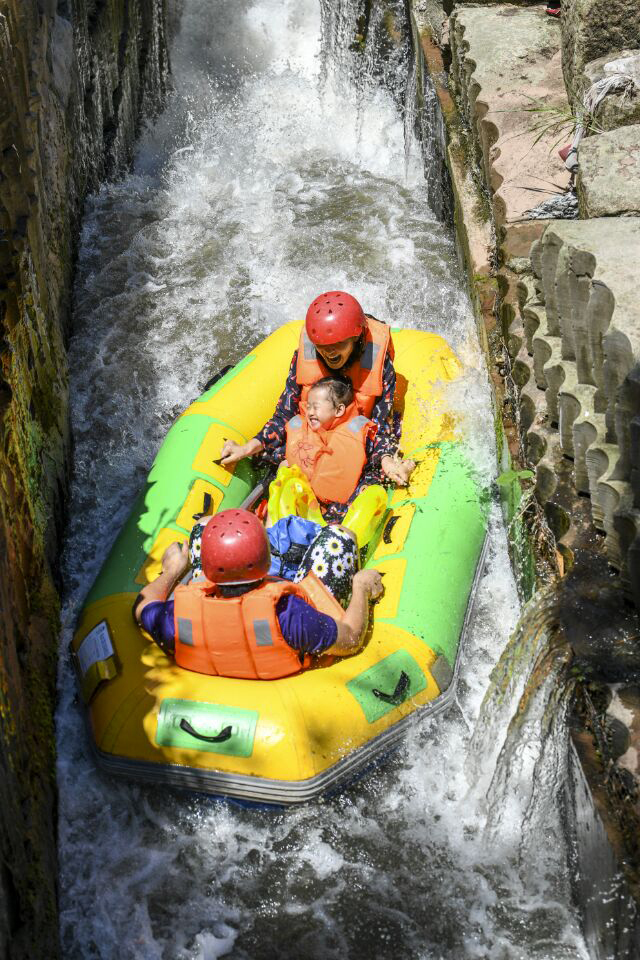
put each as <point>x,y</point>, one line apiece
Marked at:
<point>510,476</point>
<point>556,120</point>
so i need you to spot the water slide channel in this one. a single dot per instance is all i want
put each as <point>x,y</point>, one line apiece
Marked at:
<point>282,166</point>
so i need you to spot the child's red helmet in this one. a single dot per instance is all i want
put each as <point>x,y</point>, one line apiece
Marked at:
<point>235,548</point>
<point>333,317</point>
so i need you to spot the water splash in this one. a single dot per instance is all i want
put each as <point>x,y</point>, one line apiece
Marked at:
<point>530,767</point>
<point>265,181</point>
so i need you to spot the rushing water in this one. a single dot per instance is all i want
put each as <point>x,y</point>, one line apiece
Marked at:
<point>279,169</point>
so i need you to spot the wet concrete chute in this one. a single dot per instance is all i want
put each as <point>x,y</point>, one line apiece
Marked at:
<point>285,164</point>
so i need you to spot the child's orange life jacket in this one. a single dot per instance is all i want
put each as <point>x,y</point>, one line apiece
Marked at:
<point>365,373</point>
<point>241,636</point>
<point>332,459</point>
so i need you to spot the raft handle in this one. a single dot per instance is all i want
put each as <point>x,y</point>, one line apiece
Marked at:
<point>206,507</point>
<point>399,694</point>
<point>217,376</point>
<point>391,522</point>
<point>225,733</point>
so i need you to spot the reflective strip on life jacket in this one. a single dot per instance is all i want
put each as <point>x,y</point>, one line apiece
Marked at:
<point>357,423</point>
<point>332,459</point>
<point>365,373</point>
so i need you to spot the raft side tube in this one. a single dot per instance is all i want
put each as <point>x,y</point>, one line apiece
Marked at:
<point>283,793</point>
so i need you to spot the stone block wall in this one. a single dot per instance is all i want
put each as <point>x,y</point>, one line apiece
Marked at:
<point>515,161</point>
<point>620,107</point>
<point>579,373</point>
<point>608,180</point>
<point>74,78</point>
<point>591,29</point>
<point>562,334</point>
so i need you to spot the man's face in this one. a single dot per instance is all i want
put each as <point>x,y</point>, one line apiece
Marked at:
<point>335,355</point>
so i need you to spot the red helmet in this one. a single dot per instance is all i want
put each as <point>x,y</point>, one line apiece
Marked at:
<point>235,548</point>
<point>333,317</point>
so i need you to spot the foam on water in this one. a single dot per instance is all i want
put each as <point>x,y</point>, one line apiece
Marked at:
<point>267,179</point>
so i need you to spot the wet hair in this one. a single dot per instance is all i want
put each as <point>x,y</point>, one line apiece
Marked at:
<point>340,389</point>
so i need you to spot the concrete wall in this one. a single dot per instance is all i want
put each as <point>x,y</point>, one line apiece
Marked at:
<point>74,78</point>
<point>559,315</point>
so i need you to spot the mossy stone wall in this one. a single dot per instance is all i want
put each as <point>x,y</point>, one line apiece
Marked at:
<point>75,76</point>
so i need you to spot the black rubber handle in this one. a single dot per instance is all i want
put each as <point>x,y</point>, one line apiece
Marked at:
<point>206,506</point>
<point>217,376</point>
<point>400,692</point>
<point>390,524</point>
<point>225,733</point>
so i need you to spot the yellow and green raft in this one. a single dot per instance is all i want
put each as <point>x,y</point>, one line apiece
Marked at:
<point>286,741</point>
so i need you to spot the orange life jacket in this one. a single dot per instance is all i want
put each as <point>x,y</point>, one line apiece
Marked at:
<point>365,373</point>
<point>332,459</point>
<point>241,636</point>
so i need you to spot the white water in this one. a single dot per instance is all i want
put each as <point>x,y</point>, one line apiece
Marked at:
<point>266,181</point>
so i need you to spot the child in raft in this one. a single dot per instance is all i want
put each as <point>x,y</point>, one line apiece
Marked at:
<point>333,444</point>
<point>339,338</point>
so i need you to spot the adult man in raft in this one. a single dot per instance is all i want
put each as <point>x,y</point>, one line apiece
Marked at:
<point>337,337</point>
<point>238,622</point>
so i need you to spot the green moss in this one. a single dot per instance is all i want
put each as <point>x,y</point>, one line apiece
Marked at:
<point>499,436</point>
<point>516,497</point>
<point>483,282</point>
<point>47,404</point>
<point>45,603</point>
<point>482,210</point>
<point>457,152</point>
<point>462,153</point>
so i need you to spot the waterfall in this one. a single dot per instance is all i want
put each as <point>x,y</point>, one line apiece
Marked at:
<point>524,716</point>
<point>283,166</point>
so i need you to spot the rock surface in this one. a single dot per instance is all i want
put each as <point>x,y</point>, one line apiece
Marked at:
<point>569,315</point>
<point>608,181</point>
<point>583,323</point>
<point>501,98</point>
<point>71,92</point>
<point>603,631</point>
<point>617,109</point>
<point>592,29</point>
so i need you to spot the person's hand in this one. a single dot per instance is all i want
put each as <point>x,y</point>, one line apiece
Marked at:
<point>396,470</point>
<point>175,559</point>
<point>232,452</point>
<point>371,581</point>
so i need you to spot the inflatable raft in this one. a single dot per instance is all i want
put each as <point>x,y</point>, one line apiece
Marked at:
<point>288,740</point>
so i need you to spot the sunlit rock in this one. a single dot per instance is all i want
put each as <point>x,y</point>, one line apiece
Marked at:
<point>608,182</point>
<point>592,29</point>
<point>502,97</point>
<point>621,104</point>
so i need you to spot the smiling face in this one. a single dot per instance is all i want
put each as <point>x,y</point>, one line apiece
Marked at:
<point>321,408</point>
<point>335,355</point>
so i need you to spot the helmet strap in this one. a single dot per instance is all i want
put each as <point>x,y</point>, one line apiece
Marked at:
<point>356,353</point>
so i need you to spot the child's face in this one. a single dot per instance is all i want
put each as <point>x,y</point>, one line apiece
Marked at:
<point>335,355</point>
<point>321,409</point>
